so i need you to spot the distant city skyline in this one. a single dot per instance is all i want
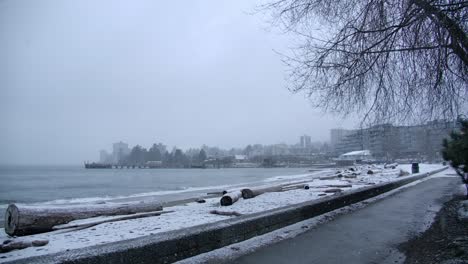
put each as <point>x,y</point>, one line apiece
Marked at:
<point>121,148</point>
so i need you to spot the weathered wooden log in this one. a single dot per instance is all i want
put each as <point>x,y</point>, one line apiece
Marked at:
<point>230,198</point>
<point>249,193</point>
<point>340,185</point>
<point>403,173</point>
<point>233,213</point>
<point>10,245</point>
<point>350,175</point>
<point>374,171</point>
<point>390,166</point>
<point>217,193</point>
<point>334,190</point>
<point>27,220</point>
<point>329,177</point>
<point>80,226</point>
<point>294,187</point>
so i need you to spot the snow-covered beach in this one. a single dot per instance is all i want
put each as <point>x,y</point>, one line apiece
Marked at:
<point>185,215</point>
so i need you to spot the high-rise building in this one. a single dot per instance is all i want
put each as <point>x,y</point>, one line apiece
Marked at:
<point>119,151</point>
<point>337,135</point>
<point>305,141</point>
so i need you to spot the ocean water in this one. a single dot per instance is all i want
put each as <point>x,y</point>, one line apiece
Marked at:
<point>49,184</point>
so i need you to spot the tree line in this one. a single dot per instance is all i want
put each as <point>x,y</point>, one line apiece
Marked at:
<point>140,156</point>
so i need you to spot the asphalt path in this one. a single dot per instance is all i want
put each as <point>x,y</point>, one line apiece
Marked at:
<point>368,235</point>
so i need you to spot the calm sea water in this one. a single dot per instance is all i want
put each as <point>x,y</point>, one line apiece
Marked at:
<point>33,184</point>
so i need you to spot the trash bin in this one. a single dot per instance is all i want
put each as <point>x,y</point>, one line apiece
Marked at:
<point>414,167</point>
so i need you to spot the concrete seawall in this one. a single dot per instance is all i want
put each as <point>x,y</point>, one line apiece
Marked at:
<point>179,244</point>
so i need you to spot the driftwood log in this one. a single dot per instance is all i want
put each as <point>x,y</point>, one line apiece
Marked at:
<point>294,187</point>
<point>74,227</point>
<point>217,193</point>
<point>391,166</point>
<point>233,213</point>
<point>249,193</point>
<point>27,220</point>
<point>10,245</point>
<point>334,190</point>
<point>230,198</point>
<point>329,177</point>
<point>345,185</point>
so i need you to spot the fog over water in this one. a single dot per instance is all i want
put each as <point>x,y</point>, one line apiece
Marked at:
<point>76,76</point>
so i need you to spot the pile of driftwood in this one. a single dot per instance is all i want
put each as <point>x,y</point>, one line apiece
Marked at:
<point>348,175</point>
<point>231,197</point>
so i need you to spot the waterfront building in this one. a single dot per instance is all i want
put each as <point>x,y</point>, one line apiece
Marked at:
<point>337,135</point>
<point>388,142</point>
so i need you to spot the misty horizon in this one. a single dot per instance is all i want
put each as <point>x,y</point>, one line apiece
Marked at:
<point>77,76</point>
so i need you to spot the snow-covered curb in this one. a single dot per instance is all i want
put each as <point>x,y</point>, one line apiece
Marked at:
<point>195,231</point>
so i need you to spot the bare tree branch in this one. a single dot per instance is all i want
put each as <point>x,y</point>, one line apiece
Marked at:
<point>387,60</point>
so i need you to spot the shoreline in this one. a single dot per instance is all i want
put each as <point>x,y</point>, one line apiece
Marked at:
<point>193,214</point>
<point>169,197</point>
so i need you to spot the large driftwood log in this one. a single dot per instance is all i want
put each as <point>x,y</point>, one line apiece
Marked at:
<point>248,193</point>
<point>26,220</point>
<point>230,198</point>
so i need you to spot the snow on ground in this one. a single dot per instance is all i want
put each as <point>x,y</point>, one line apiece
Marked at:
<point>236,250</point>
<point>193,214</point>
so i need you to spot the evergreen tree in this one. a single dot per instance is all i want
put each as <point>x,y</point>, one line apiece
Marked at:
<point>456,151</point>
<point>202,156</point>
<point>179,158</point>
<point>137,155</point>
<point>248,150</point>
<point>167,159</point>
<point>154,154</point>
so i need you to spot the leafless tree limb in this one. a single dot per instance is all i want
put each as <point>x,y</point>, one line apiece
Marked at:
<point>388,60</point>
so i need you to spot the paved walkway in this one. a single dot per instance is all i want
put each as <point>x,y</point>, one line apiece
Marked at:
<point>368,235</point>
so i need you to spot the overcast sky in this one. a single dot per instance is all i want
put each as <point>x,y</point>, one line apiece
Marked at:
<point>76,76</point>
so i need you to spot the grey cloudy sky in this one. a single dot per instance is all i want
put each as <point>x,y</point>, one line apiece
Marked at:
<point>76,76</point>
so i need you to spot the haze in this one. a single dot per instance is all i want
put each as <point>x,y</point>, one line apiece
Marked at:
<point>76,76</point>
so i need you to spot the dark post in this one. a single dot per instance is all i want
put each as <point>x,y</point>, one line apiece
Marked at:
<point>414,167</point>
